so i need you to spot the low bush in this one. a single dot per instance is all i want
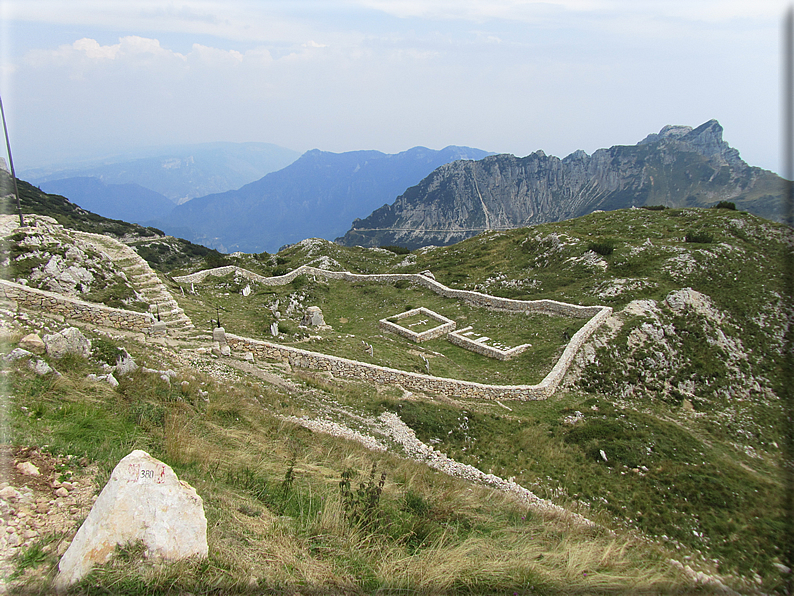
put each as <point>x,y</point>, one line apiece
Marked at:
<point>105,351</point>
<point>699,237</point>
<point>726,205</point>
<point>602,247</point>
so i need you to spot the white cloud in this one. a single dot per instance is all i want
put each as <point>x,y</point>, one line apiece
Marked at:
<point>504,75</point>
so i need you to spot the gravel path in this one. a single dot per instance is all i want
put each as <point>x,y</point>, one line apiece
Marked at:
<point>391,426</point>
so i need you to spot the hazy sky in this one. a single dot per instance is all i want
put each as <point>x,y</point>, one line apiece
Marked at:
<point>82,78</point>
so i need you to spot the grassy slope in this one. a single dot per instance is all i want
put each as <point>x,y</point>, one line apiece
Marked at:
<point>271,493</point>
<point>685,469</point>
<point>692,435</point>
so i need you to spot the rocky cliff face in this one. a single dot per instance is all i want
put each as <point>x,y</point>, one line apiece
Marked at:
<point>677,167</point>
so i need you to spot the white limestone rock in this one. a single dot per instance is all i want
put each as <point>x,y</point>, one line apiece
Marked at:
<point>33,343</point>
<point>313,317</point>
<point>41,368</point>
<point>108,378</point>
<point>68,341</point>
<point>16,354</point>
<point>125,364</point>
<point>143,500</point>
<point>28,468</point>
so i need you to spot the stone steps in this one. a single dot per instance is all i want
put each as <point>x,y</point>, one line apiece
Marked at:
<point>143,279</point>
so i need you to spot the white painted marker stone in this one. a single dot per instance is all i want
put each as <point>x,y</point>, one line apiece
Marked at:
<point>143,500</point>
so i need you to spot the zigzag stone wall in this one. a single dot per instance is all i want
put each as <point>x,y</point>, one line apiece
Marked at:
<point>551,307</point>
<point>72,308</point>
<point>379,374</point>
<point>415,381</point>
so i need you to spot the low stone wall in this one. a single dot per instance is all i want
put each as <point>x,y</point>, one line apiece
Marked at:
<point>379,374</point>
<point>479,347</point>
<point>551,307</point>
<point>78,310</point>
<point>416,381</point>
<point>446,326</point>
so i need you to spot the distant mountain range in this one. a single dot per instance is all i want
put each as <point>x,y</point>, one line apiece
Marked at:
<point>316,196</point>
<point>678,167</point>
<point>178,173</point>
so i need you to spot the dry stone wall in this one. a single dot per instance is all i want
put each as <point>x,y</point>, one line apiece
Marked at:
<point>551,307</point>
<point>446,325</point>
<point>415,381</point>
<point>480,347</point>
<point>78,310</point>
<point>363,371</point>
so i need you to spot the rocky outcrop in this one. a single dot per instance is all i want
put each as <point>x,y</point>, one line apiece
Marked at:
<point>677,167</point>
<point>68,341</point>
<point>313,317</point>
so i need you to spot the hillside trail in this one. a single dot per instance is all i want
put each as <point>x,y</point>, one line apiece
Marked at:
<point>388,432</point>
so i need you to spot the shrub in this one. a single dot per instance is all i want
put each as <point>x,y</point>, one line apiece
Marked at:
<point>726,205</point>
<point>602,247</point>
<point>398,250</point>
<point>286,327</point>
<point>105,351</point>
<point>279,271</point>
<point>655,207</point>
<point>361,506</point>
<point>699,237</point>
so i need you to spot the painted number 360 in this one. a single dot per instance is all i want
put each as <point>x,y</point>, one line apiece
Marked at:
<point>147,474</point>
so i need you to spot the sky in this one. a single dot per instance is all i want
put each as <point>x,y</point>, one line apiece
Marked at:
<point>81,79</point>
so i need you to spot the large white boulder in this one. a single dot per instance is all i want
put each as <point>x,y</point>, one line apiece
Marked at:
<point>143,500</point>
<point>68,341</point>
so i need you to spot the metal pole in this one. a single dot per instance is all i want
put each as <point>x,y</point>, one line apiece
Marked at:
<point>11,163</point>
<point>788,274</point>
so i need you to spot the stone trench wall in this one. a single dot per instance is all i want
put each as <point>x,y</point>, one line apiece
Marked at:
<point>551,307</point>
<point>72,308</point>
<point>484,349</point>
<point>416,381</point>
<point>343,367</point>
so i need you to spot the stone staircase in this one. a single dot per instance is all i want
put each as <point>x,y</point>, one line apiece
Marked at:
<point>144,280</point>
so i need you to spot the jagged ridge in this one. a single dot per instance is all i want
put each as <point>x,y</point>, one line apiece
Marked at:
<point>677,167</point>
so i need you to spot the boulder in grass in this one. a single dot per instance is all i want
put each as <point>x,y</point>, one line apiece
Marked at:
<point>143,500</point>
<point>313,317</point>
<point>68,341</point>
<point>33,343</point>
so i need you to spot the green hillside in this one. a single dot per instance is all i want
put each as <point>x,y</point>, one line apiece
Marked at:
<point>667,431</point>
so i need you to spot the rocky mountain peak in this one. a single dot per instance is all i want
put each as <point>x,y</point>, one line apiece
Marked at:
<point>678,166</point>
<point>706,140</point>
